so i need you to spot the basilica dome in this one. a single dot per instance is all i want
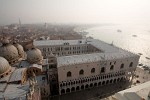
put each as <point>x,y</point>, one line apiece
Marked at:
<point>9,52</point>
<point>20,50</point>
<point>34,56</point>
<point>4,66</point>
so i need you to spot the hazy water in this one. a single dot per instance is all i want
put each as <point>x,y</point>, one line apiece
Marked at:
<point>124,39</point>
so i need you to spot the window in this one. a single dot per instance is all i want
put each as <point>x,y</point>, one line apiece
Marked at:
<point>69,74</point>
<point>131,64</point>
<point>43,78</point>
<point>57,48</point>
<point>102,69</point>
<point>66,48</point>
<point>93,70</point>
<point>30,71</point>
<point>112,67</point>
<point>122,66</point>
<point>52,66</point>
<point>81,72</point>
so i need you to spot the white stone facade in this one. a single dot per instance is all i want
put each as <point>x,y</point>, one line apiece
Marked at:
<point>86,63</point>
<point>90,74</point>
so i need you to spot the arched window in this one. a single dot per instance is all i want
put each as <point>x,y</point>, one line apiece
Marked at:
<point>95,84</point>
<point>93,70</point>
<point>111,81</point>
<point>103,83</point>
<point>114,80</point>
<point>118,79</point>
<point>67,90</point>
<point>69,74</point>
<point>131,64</point>
<point>112,67</point>
<point>62,91</point>
<point>102,69</point>
<point>86,86</point>
<point>77,88</point>
<point>64,84</point>
<point>81,72</point>
<point>72,89</point>
<point>60,85</point>
<point>82,87</point>
<point>107,82</point>
<point>72,83</point>
<point>91,85</point>
<point>122,66</point>
<point>99,83</point>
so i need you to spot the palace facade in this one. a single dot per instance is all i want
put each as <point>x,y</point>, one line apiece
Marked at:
<point>74,65</point>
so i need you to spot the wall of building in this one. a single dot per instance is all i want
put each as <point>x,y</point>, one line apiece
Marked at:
<point>75,77</point>
<point>24,77</point>
<point>89,79</point>
<point>87,67</point>
<point>63,50</point>
<point>44,85</point>
<point>35,70</point>
<point>126,63</point>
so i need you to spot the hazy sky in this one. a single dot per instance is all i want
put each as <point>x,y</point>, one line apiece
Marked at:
<point>75,11</point>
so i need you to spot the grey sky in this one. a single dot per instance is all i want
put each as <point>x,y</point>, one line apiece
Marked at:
<point>75,11</point>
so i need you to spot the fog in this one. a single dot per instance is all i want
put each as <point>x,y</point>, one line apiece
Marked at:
<point>75,11</point>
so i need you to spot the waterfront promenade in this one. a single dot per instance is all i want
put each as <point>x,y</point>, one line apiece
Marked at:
<point>107,90</point>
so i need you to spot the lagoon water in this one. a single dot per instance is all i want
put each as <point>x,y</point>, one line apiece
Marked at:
<point>135,38</point>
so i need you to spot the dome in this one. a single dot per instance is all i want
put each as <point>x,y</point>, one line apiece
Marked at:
<point>4,65</point>
<point>5,41</point>
<point>9,52</point>
<point>20,50</point>
<point>34,55</point>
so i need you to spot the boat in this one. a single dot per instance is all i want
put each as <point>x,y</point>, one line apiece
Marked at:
<point>83,32</point>
<point>140,54</point>
<point>140,64</point>
<point>147,58</point>
<point>134,35</point>
<point>89,37</point>
<point>119,30</point>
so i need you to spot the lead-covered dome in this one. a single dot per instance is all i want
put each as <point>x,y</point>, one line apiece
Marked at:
<point>4,66</point>
<point>34,56</point>
<point>9,52</point>
<point>20,50</point>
